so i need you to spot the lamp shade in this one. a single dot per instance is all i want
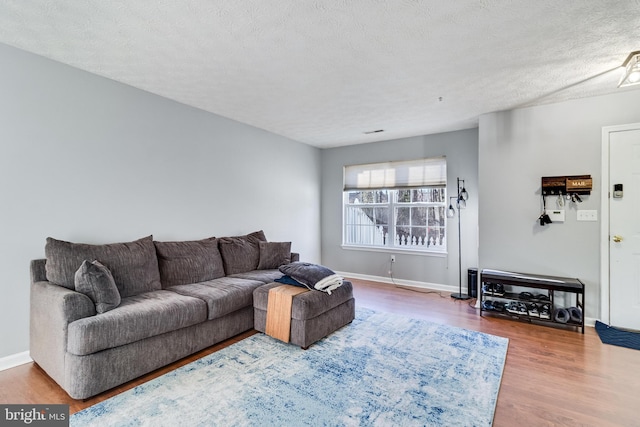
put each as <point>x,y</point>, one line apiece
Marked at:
<point>463,194</point>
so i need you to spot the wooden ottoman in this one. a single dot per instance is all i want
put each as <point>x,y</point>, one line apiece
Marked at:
<point>314,314</point>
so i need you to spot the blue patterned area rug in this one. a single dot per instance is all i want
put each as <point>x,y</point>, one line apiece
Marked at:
<point>381,370</point>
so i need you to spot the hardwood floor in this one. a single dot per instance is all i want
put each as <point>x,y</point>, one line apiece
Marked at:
<point>552,377</point>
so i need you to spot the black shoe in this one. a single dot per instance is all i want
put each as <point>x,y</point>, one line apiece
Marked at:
<point>499,306</point>
<point>487,305</point>
<point>522,309</point>
<point>527,296</point>
<point>513,307</point>
<point>541,297</point>
<point>545,311</point>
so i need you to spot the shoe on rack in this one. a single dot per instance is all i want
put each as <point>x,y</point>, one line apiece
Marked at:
<point>575,315</point>
<point>525,296</point>
<point>541,297</point>
<point>499,306</point>
<point>487,305</point>
<point>545,311</point>
<point>513,307</point>
<point>498,289</point>
<point>522,309</point>
<point>561,315</point>
<point>487,289</point>
<point>532,309</point>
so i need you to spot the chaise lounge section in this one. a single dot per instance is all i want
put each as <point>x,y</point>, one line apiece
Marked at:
<point>314,315</point>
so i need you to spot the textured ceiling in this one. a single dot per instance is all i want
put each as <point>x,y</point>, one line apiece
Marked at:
<point>324,71</point>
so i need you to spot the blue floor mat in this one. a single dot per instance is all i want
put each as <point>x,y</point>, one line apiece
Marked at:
<point>614,336</point>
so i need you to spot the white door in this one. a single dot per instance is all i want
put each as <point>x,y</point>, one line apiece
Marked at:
<point>624,229</point>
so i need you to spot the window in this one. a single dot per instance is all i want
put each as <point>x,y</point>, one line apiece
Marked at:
<point>407,210</point>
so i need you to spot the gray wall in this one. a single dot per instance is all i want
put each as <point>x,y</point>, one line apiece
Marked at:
<point>516,149</point>
<point>87,159</point>
<point>461,150</point>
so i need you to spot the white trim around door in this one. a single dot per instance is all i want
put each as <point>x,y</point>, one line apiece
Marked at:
<point>605,313</point>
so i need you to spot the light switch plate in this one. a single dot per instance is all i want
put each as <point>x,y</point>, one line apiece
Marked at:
<point>587,215</point>
<point>556,215</point>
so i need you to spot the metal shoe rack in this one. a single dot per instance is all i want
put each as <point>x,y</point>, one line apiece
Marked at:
<point>517,282</point>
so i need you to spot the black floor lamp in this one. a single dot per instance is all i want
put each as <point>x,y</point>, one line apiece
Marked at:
<point>461,203</point>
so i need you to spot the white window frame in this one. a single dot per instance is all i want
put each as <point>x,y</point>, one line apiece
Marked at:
<point>393,177</point>
<point>390,241</point>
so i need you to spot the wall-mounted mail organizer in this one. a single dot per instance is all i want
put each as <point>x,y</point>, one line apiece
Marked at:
<point>567,185</point>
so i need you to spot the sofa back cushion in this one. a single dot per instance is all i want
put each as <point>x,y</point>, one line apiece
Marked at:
<point>134,265</point>
<point>182,263</point>
<point>241,253</point>
<point>274,254</point>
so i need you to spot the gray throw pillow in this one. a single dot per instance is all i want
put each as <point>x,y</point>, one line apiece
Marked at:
<point>95,281</point>
<point>241,253</point>
<point>182,263</point>
<point>274,254</point>
<point>134,265</point>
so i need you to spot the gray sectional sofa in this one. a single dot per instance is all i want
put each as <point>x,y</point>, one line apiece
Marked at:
<point>102,315</point>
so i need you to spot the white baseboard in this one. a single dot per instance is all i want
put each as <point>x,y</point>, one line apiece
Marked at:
<point>14,360</point>
<point>588,321</point>
<point>401,282</point>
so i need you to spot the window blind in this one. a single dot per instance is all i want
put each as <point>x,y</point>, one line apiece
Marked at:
<point>403,174</point>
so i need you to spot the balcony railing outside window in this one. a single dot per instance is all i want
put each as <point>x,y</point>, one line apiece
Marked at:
<point>411,219</point>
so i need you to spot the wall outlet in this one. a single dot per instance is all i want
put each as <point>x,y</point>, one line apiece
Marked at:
<point>393,258</point>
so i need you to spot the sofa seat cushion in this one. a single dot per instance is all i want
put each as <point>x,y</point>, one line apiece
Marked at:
<point>306,305</point>
<point>138,317</point>
<point>223,296</point>
<point>264,276</point>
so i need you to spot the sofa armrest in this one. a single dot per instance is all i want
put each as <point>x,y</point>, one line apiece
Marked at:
<point>52,308</point>
<point>58,304</point>
<point>295,256</point>
<point>38,270</point>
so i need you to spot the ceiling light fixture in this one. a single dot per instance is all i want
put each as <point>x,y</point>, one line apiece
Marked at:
<point>631,66</point>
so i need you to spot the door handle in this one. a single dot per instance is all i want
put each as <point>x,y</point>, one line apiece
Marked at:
<point>617,238</point>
